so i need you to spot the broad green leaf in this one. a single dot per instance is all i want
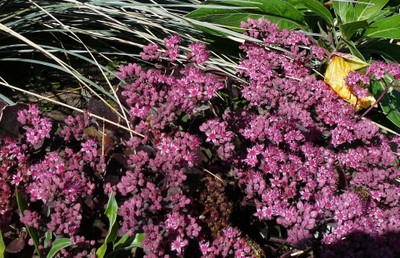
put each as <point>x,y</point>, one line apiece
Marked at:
<point>219,30</point>
<point>344,11</point>
<point>349,29</point>
<point>382,14</point>
<point>365,9</point>
<point>357,10</point>
<point>277,11</point>
<point>387,50</point>
<point>385,28</point>
<point>227,17</point>
<point>22,205</point>
<point>320,10</point>
<point>111,213</point>
<point>390,103</point>
<point>58,244</point>
<point>281,8</point>
<point>2,245</point>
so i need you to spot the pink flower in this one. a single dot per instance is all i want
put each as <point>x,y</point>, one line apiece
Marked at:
<point>178,244</point>
<point>199,53</point>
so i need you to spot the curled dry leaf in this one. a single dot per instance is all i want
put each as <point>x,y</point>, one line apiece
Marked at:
<point>9,126</point>
<point>17,244</point>
<point>339,67</point>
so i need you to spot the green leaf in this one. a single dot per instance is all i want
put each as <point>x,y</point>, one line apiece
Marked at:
<point>22,205</point>
<point>382,14</point>
<point>357,10</point>
<point>343,10</point>
<point>58,244</point>
<point>277,11</point>
<point>390,103</point>
<point>220,31</point>
<point>21,202</point>
<point>127,243</point>
<point>366,9</point>
<point>112,210</point>
<point>48,236</point>
<point>102,250</point>
<point>137,242</point>
<point>111,213</point>
<point>349,29</point>
<point>320,10</point>
<point>353,49</point>
<point>2,245</point>
<point>385,28</point>
<point>121,241</point>
<point>7,100</point>
<point>387,50</point>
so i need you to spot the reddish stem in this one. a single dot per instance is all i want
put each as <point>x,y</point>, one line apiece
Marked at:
<point>378,99</point>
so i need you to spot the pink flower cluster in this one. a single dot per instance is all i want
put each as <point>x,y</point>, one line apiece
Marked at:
<point>36,128</point>
<point>158,97</point>
<point>231,243</point>
<point>312,164</point>
<point>55,183</point>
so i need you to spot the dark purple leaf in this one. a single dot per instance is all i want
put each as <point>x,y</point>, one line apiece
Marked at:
<point>9,126</point>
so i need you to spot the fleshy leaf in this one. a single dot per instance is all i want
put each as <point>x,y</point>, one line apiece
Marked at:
<point>111,213</point>
<point>2,245</point>
<point>127,243</point>
<point>58,244</point>
<point>22,205</point>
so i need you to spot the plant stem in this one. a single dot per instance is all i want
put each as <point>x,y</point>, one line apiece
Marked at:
<point>378,99</point>
<point>278,240</point>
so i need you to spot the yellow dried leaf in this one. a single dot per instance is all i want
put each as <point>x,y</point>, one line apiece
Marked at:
<point>354,62</point>
<point>339,67</point>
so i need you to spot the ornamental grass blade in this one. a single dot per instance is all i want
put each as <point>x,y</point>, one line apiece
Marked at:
<point>124,24</point>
